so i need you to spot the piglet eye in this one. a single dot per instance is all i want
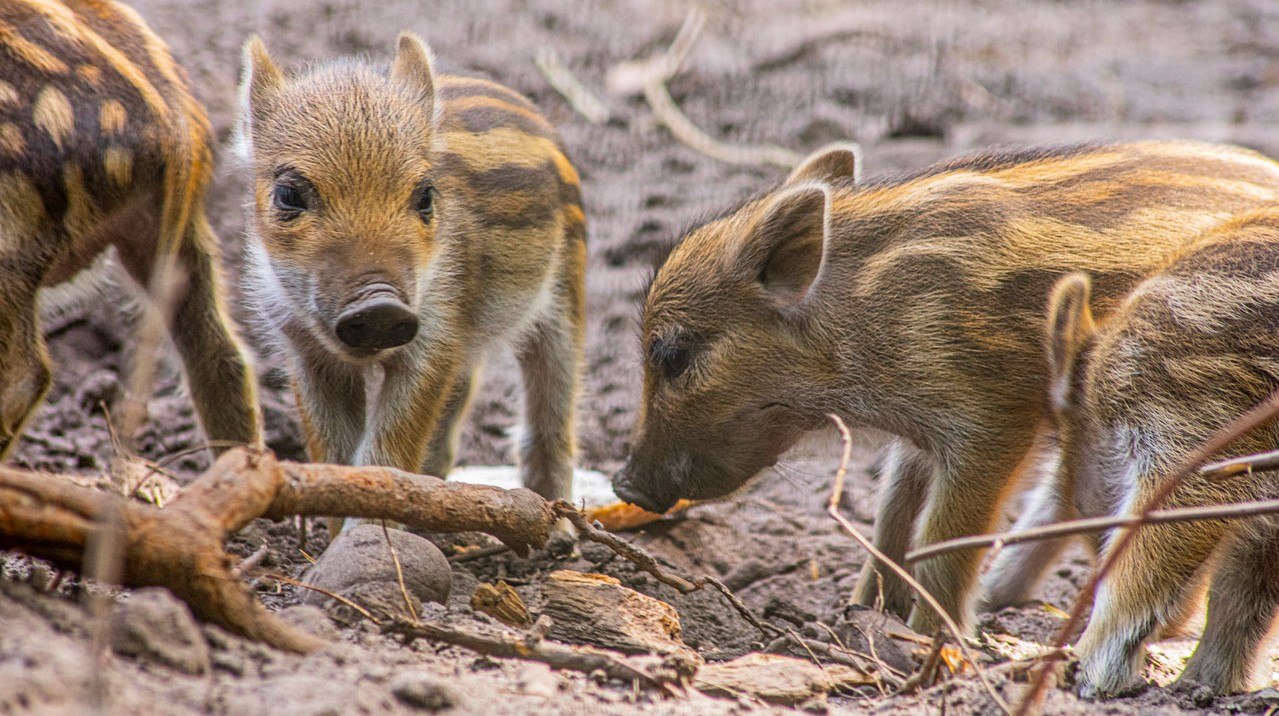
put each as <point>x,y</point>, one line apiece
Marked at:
<point>288,199</point>
<point>671,361</point>
<point>675,363</point>
<point>425,204</point>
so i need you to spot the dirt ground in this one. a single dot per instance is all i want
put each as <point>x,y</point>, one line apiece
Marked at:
<point>912,82</point>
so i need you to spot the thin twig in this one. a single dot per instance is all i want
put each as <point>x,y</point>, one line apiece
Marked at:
<point>1231,511</point>
<point>832,508</point>
<point>399,573</point>
<point>923,678</point>
<point>320,590</point>
<point>1253,419</point>
<point>566,83</point>
<point>634,554</point>
<point>683,129</point>
<point>1247,464</point>
<point>252,561</point>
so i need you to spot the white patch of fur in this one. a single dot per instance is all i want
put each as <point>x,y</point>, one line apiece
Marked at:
<point>94,282</point>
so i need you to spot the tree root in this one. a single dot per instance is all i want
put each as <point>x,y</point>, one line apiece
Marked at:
<point>180,546</point>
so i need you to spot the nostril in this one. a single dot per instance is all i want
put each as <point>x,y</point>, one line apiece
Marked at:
<point>377,324</point>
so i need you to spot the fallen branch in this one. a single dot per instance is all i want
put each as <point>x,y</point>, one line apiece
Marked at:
<point>1233,511</point>
<point>832,508</point>
<point>649,77</point>
<point>667,674</point>
<point>181,546</point>
<point>1253,419</point>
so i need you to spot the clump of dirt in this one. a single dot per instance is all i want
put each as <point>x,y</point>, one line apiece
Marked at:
<point>912,82</point>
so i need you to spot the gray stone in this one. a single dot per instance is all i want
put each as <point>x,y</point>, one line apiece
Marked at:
<point>153,625</point>
<point>422,691</point>
<point>358,567</point>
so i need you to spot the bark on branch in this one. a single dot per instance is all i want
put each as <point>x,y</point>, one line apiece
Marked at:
<point>180,546</point>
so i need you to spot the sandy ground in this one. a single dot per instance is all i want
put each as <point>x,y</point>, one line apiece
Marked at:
<point>913,82</point>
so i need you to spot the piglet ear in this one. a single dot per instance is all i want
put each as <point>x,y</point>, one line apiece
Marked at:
<point>1070,327</point>
<point>783,249</point>
<point>260,77</point>
<point>412,68</point>
<point>260,80</point>
<point>832,163</point>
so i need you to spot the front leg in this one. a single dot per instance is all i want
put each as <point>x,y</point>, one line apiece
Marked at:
<point>442,451</point>
<point>964,499</point>
<point>331,404</point>
<point>415,389</point>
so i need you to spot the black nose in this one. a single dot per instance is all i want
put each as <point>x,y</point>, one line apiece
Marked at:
<point>625,489</point>
<point>377,324</point>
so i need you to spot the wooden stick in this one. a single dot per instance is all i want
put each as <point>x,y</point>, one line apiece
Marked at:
<point>832,508</point>
<point>1232,511</point>
<point>1253,419</point>
<point>668,674</point>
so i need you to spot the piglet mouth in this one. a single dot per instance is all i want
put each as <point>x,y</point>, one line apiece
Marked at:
<point>629,493</point>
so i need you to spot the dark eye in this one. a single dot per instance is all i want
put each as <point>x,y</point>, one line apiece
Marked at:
<point>672,361</point>
<point>288,199</point>
<point>675,362</point>
<point>425,205</point>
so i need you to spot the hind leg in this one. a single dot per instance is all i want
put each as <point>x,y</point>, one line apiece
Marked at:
<point>1146,590</point>
<point>1242,605</point>
<point>1017,568</point>
<point>905,477</point>
<point>222,382</point>
<point>26,370</point>
<point>442,452</point>
<point>550,357</point>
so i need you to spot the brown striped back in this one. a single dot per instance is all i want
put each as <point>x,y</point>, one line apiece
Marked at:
<point>92,105</point>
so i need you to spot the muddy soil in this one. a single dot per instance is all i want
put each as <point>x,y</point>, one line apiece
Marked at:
<point>913,82</point>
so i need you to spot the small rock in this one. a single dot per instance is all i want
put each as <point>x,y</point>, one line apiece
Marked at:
<point>358,566</point>
<point>537,680</point>
<point>893,640</point>
<point>561,544</point>
<point>421,691</point>
<point>153,625</point>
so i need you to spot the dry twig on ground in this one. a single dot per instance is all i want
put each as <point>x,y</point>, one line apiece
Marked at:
<point>1253,419</point>
<point>562,79</point>
<point>649,77</point>
<point>181,546</point>
<point>833,509</point>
